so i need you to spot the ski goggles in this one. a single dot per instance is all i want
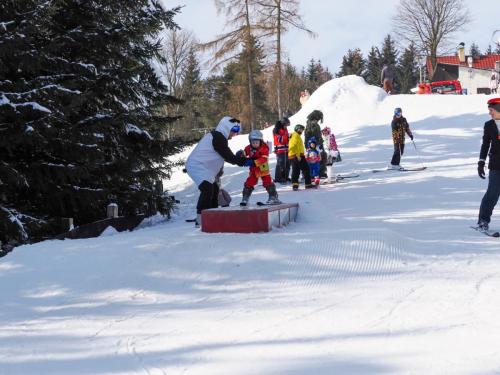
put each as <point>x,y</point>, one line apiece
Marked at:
<point>236,127</point>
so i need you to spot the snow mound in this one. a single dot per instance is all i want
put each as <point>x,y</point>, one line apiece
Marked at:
<point>346,102</point>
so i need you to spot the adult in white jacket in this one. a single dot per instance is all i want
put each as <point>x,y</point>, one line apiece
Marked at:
<point>207,159</point>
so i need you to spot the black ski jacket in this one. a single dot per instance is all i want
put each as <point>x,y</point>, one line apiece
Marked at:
<point>491,145</point>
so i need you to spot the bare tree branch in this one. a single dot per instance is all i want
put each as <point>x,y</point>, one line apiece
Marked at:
<point>430,24</point>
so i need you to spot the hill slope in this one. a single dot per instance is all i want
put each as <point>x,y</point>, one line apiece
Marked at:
<point>379,275</point>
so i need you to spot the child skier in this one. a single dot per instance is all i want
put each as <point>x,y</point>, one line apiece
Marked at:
<point>257,154</point>
<point>296,155</point>
<point>332,151</point>
<point>399,127</point>
<point>313,158</point>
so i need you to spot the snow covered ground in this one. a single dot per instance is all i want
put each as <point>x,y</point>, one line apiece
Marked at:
<point>380,275</point>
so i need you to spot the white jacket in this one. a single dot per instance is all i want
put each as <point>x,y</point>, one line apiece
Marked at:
<point>205,161</point>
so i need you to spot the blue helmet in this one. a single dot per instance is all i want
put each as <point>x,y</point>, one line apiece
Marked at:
<point>311,140</point>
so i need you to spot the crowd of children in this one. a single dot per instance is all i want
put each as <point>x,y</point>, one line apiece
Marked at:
<point>314,162</point>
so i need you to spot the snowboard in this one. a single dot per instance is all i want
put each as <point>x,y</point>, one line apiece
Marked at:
<point>402,169</point>
<point>490,232</point>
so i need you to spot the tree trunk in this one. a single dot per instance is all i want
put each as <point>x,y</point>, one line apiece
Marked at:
<point>249,69</point>
<point>278,60</point>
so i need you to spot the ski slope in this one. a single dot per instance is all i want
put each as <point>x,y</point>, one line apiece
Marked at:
<point>379,275</point>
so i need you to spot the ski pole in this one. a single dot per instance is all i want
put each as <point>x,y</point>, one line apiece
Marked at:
<point>418,154</point>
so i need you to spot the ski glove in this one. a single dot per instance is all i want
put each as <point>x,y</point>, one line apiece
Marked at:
<point>249,163</point>
<point>411,137</point>
<point>239,154</point>
<point>480,169</point>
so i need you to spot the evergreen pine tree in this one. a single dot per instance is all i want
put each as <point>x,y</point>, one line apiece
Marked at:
<point>407,70</point>
<point>373,67</point>
<point>193,97</point>
<point>353,63</point>
<point>93,132</point>
<point>389,53</point>
<point>474,50</point>
<point>489,50</point>
<point>236,77</point>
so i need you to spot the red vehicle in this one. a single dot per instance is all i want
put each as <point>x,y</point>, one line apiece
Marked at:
<point>440,87</point>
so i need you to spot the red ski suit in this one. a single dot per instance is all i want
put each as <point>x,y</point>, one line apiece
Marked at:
<point>260,156</point>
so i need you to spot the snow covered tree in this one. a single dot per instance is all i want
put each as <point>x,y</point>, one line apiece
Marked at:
<point>79,109</point>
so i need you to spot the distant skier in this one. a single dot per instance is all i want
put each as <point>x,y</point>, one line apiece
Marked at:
<point>387,78</point>
<point>332,151</point>
<point>207,159</point>
<point>304,97</point>
<point>494,82</point>
<point>399,127</point>
<point>257,154</point>
<point>490,147</point>
<point>296,154</point>
<point>313,158</point>
<point>314,130</point>
<point>280,140</point>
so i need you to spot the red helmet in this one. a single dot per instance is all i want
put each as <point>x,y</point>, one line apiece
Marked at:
<point>493,101</point>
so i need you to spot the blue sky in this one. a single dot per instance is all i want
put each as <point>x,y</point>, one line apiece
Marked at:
<point>340,25</point>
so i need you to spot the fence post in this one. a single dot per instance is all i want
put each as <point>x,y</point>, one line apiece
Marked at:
<point>112,210</point>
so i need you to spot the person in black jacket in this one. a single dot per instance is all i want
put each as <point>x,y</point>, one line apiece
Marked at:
<point>490,147</point>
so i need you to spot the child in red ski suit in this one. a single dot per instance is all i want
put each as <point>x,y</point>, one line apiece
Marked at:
<point>257,154</point>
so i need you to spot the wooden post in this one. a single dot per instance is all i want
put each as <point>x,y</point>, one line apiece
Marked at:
<point>67,224</point>
<point>112,210</point>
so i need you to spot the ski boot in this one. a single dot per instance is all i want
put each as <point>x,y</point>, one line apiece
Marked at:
<point>295,186</point>
<point>482,226</point>
<point>311,186</point>
<point>273,195</point>
<point>247,191</point>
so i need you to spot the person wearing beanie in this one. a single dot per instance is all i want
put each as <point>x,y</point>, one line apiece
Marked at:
<point>490,147</point>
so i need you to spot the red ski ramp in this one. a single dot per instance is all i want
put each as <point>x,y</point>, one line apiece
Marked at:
<point>251,219</point>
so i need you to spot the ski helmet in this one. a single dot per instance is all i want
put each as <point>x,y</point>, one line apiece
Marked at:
<point>398,111</point>
<point>326,130</point>
<point>311,140</point>
<point>255,135</point>
<point>299,128</point>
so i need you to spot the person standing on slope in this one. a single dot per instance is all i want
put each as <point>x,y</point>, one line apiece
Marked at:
<point>399,127</point>
<point>332,151</point>
<point>296,154</point>
<point>207,159</point>
<point>257,154</point>
<point>490,147</point>
<point>387,78</point>
<point>280,140</point>
<point>314,130</point>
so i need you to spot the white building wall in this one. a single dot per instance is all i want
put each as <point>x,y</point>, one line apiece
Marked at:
<point>472,79</point>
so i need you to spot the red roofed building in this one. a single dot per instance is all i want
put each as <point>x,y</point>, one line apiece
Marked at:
<point>474,74</point>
